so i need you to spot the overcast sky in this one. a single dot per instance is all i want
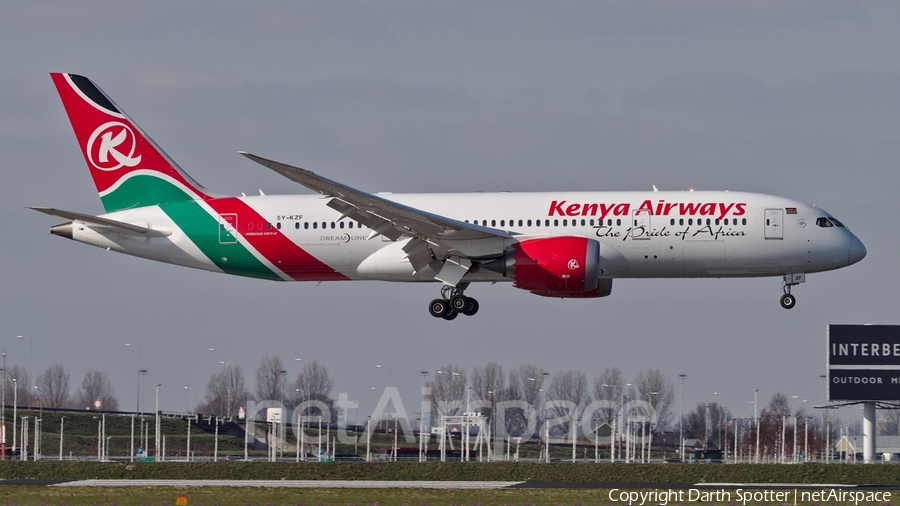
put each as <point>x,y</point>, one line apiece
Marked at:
<point>797,99</point>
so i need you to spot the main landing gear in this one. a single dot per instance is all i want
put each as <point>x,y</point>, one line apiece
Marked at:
<point>788,301</point>
<point>452,303</point>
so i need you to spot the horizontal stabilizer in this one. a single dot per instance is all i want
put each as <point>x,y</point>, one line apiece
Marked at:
<point>96,221</point>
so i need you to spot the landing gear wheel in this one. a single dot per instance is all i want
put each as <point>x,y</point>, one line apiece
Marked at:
<point>459,303</point>
<point>450,315</point>
<point>788,301</point>
<point>471,307</point>
<point>438,308</point>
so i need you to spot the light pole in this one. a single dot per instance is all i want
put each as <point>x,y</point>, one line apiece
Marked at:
<point>189,423</point>
<point>38,422</point>
<point>719,412</point>
<point>540,412</point>
<point>15,407</point>
<point>141,373</point>
<point>30,377</point>
<point>613,443</point>
<point>192,399</point>
<point>422,449</point>
<point>156,415</point>
<point>756,421</point>
<point>682,377</point>
<point>62,421</point>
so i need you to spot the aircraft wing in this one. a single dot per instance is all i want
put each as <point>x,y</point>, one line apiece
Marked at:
<point>382,216</point>
<point>96,221</point>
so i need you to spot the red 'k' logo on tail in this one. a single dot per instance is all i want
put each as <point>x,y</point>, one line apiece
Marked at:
<point>115,148</point>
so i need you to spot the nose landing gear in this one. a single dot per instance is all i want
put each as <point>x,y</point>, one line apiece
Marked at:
<point>788,301</point>
<point>453,303</point>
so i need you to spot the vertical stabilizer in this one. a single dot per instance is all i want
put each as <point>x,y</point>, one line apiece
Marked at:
<point>128,168</point>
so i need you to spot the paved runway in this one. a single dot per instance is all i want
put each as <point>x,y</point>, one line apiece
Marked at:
<point>447,485</point>
<point>454,485</point>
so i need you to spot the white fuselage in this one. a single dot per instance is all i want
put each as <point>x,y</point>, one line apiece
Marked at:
<point>642,234</point>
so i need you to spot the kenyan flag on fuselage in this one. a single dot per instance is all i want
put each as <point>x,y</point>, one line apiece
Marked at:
<point>131,171</point>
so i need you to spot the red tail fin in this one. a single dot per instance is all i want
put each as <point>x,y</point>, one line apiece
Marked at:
<point>128,168</point>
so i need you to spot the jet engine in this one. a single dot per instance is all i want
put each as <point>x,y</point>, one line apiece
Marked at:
<point>565,267</point>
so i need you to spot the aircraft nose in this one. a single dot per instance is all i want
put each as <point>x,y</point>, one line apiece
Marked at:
<point>857,251</point>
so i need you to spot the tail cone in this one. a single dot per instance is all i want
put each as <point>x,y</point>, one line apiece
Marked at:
<point>63,230</point>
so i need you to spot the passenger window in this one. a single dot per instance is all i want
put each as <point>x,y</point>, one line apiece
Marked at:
<point>592,222</point>
<point>520,223</point>
<point>537,223</point>
<point>582,223</point>
<point>529,223</point>
<point>297,225</point>
<point>681,221</point>
<point>483,223</point>
<point>268,226</point>
<point>278,225</point>
<point>618,223</point>
<point>493,223</point>
<point>672,222</point>
<point>350,225</point>
<point>342,224</point>
<point>315,224</point>
<point>502,223</point>
<point>717,221</point>
<point>306,225</point>
<point>744,221</point>
<point>690,221</point>
<point>565,222</point>
<point>555,223</point>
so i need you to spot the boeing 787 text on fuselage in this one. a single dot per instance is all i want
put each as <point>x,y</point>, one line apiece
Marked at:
<point>553,244</point>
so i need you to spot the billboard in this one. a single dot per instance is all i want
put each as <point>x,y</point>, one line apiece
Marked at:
<point>864,362</point>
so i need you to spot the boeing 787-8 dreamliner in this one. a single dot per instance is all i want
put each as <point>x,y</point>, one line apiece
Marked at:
<point>553,244</point>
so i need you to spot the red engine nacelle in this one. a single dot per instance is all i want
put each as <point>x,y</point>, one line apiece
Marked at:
<point>564,266</point>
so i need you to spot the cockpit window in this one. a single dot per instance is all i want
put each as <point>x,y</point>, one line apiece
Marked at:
<point>823,222</point>
<point>835,221</point>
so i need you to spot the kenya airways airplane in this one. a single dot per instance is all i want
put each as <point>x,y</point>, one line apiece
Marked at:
<point>553,244</point>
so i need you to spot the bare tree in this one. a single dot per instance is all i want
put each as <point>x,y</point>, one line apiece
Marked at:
<point>570,387</point>
<point>312,384</point>
<point>890,427</point>
<point>18,390</point>
<point>448,391</point>
<point>225,391</point>
<point>525,384</point>
<point>655,388</point>
<point>53,387</point>
<point>96,386</point>
<point>270,379</point>
<point>487,384</point>
<point>706,423</point>
<point>609,386</point>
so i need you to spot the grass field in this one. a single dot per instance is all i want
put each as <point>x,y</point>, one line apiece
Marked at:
<point>461,471</point>
<point>262,496</point>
